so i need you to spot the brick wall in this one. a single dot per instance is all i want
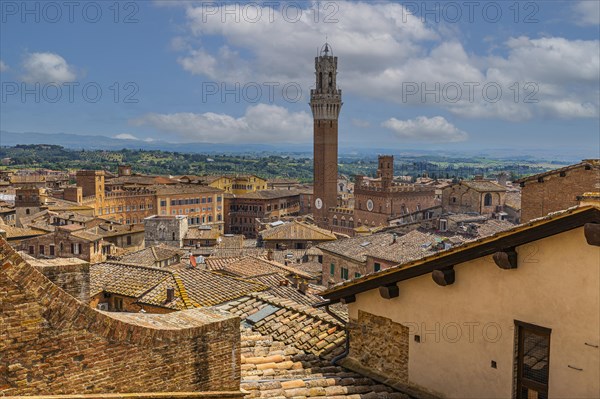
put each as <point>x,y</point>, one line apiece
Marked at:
<point>557,192</point>
<point>387,357</point>
<point>74,279</point>
<point>50,343</point>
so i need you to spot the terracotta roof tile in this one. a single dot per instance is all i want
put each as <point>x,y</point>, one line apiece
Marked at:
<point>296,230</point>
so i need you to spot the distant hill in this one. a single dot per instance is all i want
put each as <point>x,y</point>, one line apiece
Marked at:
<point>98,142</point>
<point>78,142</point>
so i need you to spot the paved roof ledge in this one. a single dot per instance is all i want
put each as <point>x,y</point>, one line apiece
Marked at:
<point>161,395</point>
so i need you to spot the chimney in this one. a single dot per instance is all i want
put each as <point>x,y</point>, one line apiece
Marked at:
<point>394,238</point>
<point>284,283</point>
<point>303,287</point>
<point>270,254</point>
<point>170,294</point>
<point>589,199</point>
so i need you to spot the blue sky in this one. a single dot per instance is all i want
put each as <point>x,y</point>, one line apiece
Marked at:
<point>190,71</point>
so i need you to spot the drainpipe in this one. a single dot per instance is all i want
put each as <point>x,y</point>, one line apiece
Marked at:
<point>346,351</point>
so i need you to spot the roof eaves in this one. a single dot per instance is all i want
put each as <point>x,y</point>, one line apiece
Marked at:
<point>545,227</point>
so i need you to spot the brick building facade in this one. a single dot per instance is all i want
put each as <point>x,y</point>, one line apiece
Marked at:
<point>244,212</point>
<point>70,241</point>
<point>479,196</point>
<point>558,189</point>
<point>131,202</point>
<point>378,200</point>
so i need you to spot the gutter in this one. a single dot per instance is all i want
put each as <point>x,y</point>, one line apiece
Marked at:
<point>346,351</point>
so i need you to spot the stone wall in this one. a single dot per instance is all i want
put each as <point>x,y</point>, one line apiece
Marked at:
<point>387,357</point>
<point>557,192</point>
<point>51,344</point>
<point>165,230</point>
<point>340,262</point>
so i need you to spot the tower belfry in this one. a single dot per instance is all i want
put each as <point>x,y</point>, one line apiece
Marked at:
<point>325,103</point>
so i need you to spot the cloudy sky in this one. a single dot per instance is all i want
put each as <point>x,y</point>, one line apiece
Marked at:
<point>474,75</point>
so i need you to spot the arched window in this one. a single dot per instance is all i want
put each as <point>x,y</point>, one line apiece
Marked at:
<point>487,200</point>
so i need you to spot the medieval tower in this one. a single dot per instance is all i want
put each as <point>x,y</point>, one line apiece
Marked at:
<point>325,103</point>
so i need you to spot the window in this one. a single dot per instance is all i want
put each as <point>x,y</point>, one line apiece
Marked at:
<point>42,249</point>
<point>332,269</point>
<point>128,240</point>
<point>532,358</point>
<point>51,250</point>
<point>27,211</point>
<point>357,275</point>
<point>31,250</point>
<point>487,200</point>
<point>443,225</point>
<point>118,304</point>
<point>344,273</point>
<point>377,267</point>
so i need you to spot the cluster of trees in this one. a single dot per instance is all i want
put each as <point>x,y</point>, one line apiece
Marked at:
<point>296,166</point>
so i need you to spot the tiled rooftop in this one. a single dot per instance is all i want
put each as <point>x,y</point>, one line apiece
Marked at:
<point>483,185</point>
<point>281,287</point>
<point>193,287</point>
<point>287,353</point>
<point>297,231</point>
<point>150,255</point>
<point>380,245</point>
<point>253,266</point>
<point>308,329</point>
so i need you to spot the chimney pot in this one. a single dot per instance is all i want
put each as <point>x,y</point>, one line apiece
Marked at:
<point>170,294</point>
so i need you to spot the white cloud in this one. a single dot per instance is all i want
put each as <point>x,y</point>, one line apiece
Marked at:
<point>46,68</point>
<point>435,129</point>
<point>587,12</point>
<point>260,123</point>
<point>382,48</point>
<point>360,123</point>
<point>127,136</point>
<point>280,44</point>
<point>3,66</point>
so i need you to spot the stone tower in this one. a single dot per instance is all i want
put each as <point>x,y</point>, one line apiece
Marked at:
<point>325,103</point>
<point>92,184</point>
<point>385,170</point>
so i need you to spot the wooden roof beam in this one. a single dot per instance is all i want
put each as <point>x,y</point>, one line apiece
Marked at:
<point>506,259</point>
